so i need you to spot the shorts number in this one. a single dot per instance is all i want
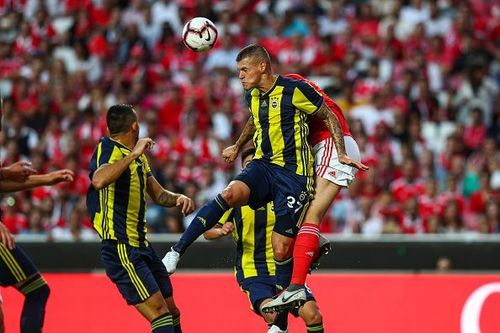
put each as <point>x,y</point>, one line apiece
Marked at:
<point>291,202</point>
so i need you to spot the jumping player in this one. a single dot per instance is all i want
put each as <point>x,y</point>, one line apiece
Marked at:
<point>331,177</point>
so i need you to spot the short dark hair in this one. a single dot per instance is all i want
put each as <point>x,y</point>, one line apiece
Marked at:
<point>247,152</point>
<point>254,51</point>
<point>119,118</point>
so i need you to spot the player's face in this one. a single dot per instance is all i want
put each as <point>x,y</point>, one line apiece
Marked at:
<point>250,72</point>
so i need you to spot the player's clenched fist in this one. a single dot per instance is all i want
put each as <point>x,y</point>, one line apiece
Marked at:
<point>141,146</point>
<point>226,229</point>
<point>186,204</point>
<point>230,153</point>
<point>58,176</point>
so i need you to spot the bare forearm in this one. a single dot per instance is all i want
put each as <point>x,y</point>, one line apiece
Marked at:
<point>167,198</point>
<point>333,126</point>
<point>212,234</point>
<point>31,182</point>
<point>247,133</point>
<point>108,174</point>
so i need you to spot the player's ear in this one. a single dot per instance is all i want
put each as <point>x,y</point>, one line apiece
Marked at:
<point>262,66</point>
<point>135,126</point>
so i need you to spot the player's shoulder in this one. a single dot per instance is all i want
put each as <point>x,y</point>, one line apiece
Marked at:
<point>298,81</point>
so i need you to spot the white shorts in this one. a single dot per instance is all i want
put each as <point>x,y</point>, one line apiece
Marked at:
<point>327,165</point>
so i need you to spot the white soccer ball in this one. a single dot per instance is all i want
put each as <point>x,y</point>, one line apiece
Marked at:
<point>199,34</point>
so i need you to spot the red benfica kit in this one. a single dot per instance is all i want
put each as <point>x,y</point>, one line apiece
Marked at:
<point>317,128</point>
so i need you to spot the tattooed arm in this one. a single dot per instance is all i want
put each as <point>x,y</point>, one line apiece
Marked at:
<point>230,153</point>
<point>333,125</point>
<point>166,198</point>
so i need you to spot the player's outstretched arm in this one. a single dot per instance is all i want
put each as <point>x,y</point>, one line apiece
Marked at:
<point>47,179</point>
<point>109,173</point>
<point>332,123</point>
<point>166,198</point>
<point>17,172</point>
<point>219,231</point>
<point>230,153</point>
<point>6,237</point>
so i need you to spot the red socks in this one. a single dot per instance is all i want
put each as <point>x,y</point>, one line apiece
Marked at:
<point>305,250</point>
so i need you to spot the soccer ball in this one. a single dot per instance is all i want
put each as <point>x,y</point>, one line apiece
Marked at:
<point>199,34</point>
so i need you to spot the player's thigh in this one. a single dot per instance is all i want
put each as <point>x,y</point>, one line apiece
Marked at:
<point>325,193</point>
<point>15,266</point>
<point>128,267</point>
<point>258,180</point>
<point>328,166</point>
<point>159,272</point>
<point>153,307</point>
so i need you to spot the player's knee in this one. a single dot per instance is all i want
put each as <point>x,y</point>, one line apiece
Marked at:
<point>174,310</point>
<point>281,254</point>
<point>311,314</point>
<point>232,196</point>
<point>159,308</point>
<point>283,248</point>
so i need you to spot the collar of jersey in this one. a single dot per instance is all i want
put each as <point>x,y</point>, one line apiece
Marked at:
<point>272,87</point>
<point>120,145</point>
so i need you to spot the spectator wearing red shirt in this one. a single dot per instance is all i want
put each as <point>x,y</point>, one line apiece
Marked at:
<point>408,185</point>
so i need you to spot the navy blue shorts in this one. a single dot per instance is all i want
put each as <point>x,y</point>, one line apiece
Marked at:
<point>15,266</point>
<point>289,192</point>
<point>137,271</point>
<point>259,289</point>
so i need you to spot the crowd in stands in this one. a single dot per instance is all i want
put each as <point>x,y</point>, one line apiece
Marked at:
<point>418,82</point>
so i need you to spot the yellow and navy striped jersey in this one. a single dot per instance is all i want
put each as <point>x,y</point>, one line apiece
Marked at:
<point>252,234</point>
<point>118,210</point>
<point>280,118</point>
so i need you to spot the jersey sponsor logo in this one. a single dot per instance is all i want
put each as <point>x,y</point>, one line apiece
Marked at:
<point>310,253</point>
<point>263,104</point>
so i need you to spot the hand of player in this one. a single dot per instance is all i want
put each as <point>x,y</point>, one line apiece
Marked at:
<point>18,172</point>
<point>186,204</point>
<point>226,229</point>
<point>141,146</point>
<point>230,153</point>
<point>58,176</point>
<point>6,237</point>
<point>344,159</point>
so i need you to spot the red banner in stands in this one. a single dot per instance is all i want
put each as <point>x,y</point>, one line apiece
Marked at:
<point>351,303</point>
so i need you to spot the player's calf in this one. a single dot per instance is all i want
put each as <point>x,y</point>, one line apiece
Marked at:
<point>36,293</point>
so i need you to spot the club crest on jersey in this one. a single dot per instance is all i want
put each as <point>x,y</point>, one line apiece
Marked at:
<point>274,103</point>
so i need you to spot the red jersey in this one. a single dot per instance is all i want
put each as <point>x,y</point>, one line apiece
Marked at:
<point>317,128</point>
